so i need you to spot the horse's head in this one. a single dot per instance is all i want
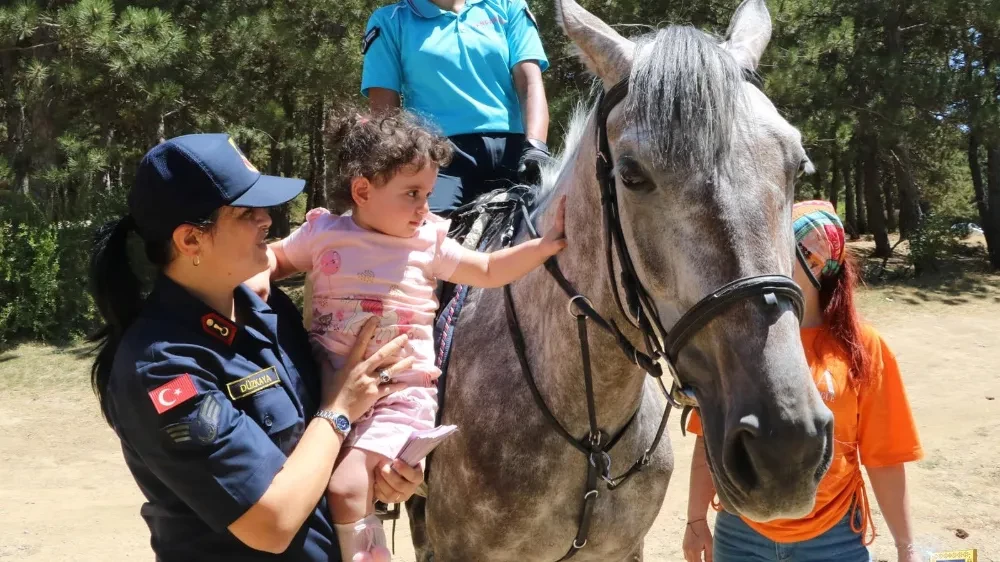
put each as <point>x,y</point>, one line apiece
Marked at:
<point>705,170</point>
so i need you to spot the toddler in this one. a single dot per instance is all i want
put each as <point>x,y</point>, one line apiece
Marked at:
<point>384,260</point>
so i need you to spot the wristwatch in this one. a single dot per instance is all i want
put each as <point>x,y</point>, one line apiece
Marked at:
<point>339,421</point>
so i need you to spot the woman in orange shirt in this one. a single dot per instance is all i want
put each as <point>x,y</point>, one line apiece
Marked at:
<point>859,380</point>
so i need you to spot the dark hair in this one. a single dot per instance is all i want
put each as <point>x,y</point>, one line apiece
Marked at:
<point>117,292</point>
<point>377,147</point>
<point>836,299</point>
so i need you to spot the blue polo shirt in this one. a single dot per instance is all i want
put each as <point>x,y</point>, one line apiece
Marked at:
<point>453,69</point>
<point>207,411</point>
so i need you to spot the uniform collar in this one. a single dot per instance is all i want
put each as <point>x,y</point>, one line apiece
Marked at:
<point>170,298</point>
<point>429,10</point>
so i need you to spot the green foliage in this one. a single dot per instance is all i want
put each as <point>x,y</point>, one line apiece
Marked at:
<point>88,86</point>
<point>931,242</point>
<point>42,266</point>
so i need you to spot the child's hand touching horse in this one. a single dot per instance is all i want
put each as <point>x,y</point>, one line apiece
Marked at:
<point>499,268</point>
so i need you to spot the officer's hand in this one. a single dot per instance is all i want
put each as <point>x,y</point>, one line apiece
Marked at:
<point>396,481</point>
<point>355,388</point>
<point>529,168</point>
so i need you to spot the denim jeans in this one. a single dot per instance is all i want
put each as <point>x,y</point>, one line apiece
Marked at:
<point>735,541</point>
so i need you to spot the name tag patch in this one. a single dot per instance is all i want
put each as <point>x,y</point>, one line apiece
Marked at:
<point>253,384</point>
<point>370,38</point>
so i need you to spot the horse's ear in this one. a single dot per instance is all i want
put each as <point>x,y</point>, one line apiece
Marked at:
<point>606,53</point>
<point>749,33</point>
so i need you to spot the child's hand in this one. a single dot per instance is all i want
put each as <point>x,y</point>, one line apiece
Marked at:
<point>555,238</point>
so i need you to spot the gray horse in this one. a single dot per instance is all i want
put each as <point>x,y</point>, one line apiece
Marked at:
<point>705,170</point>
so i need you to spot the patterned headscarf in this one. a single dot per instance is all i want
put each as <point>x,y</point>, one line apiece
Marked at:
<point>819,239</point>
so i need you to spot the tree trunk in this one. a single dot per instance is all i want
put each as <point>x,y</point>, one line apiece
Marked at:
<point>901,194</point>
<point>834,192</point>
<point>873,197</point>
<point>982,196</point>
<point>889,194</point>
<point>282,160</point>
<point>818,176</point>
<point>993,198</point>
<point>317,157</point>
<point>850,207</point>
<point>909,195</point>
<point>859,191</point>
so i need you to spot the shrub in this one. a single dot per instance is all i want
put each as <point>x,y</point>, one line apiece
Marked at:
<point>930,242</point>
<point>43,272</point>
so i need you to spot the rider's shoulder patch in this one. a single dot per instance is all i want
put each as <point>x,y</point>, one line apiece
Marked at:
<point>531,16</point>
<point>370,38</point>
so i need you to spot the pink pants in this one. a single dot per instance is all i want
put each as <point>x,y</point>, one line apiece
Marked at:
<point>387,426</point>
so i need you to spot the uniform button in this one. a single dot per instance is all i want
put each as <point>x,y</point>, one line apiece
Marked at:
<point>268,420</point>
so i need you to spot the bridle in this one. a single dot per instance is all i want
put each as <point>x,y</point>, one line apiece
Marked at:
<point>662,347</point>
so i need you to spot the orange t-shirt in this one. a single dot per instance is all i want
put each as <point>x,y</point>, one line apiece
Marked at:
<point>872,426</point>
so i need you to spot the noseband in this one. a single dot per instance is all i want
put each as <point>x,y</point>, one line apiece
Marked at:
<point>662,347</point>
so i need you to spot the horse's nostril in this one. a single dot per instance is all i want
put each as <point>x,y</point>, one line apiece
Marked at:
<point>738,460</point>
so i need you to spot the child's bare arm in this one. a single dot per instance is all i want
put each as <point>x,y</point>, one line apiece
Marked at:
<point>278,263</point>
<point>504,266</point>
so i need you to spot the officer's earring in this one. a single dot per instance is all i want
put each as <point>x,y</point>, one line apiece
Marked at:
<point>196,261</point>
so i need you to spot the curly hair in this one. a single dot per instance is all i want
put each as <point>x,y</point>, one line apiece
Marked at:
<point>379,147</point>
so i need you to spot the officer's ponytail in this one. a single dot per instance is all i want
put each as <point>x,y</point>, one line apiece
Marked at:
<point>118,295</point>
<point>117,290</point>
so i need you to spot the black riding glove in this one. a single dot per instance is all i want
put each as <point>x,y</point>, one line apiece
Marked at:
<point>533,154</point>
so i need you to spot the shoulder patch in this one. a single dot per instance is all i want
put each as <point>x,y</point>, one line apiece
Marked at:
<point>205,426</point>
<point>531,16</point>
<point>370,38</point>
<point>253,384</point>
<point>177,391</point>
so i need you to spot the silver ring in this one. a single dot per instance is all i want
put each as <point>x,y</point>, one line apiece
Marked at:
<point>384,377</point>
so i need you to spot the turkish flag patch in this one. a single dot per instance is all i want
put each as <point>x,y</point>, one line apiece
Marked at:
<point>175,392</point>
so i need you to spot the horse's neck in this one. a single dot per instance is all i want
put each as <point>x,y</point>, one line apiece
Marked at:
<point>551,333</point>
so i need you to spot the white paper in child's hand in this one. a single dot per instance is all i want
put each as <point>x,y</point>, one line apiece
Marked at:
<point>421,443</point>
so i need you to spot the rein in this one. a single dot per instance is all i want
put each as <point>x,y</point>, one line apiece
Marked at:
<point>662,348</point>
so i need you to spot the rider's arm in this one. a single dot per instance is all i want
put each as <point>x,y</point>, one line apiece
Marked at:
<point>527,62</point>
<point>701,490</point>
<point>382,100</point>
<point>382,71</point>
<point>531,94</point>
<point>499,268</point>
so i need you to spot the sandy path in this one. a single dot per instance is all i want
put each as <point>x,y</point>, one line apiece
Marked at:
<point>65,493</point>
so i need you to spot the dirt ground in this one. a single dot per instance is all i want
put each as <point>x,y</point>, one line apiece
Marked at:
<point>65,493</point>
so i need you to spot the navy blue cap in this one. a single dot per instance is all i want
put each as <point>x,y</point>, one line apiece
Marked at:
<point>187,178</point>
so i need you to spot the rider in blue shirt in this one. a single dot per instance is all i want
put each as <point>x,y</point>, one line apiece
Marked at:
<point>474,69</point>
<point>225,422</point>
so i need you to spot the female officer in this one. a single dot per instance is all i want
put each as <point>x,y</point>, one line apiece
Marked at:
<point>223,420</point>
<point>474,69</point>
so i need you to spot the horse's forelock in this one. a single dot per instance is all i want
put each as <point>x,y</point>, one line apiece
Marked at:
<point>685,95</point>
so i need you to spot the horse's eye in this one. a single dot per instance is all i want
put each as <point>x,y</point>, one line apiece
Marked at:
<point>806,167</point>
<point>631,174</point>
